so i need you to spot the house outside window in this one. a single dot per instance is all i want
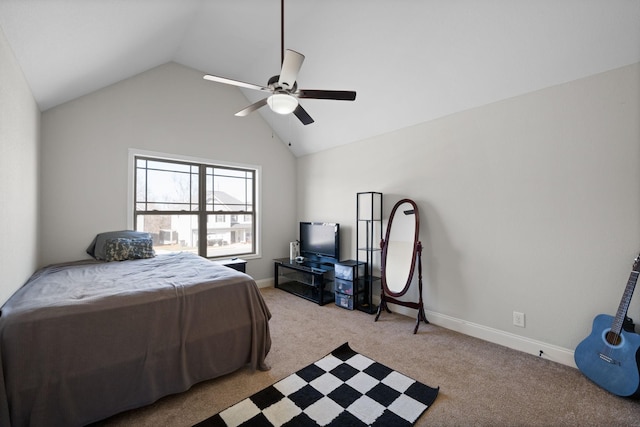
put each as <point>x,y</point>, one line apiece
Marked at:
<point>200,207</point>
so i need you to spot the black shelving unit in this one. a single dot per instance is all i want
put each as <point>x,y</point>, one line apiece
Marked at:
<point>368,237</point>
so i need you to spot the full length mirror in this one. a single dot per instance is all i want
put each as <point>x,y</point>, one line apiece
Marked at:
<point>401,254</point>
<point>399,251</point>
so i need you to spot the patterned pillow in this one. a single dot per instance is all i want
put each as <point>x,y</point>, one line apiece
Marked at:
<point>98,246</point>
<point>121,249</point>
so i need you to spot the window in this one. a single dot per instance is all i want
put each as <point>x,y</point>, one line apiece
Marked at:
<point>199,207</point>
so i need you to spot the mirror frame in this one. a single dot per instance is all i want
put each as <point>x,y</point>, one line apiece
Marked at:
<point>385,248</point>
<point>387,296</point>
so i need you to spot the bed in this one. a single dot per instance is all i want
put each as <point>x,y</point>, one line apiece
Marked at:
<point>82,341</point>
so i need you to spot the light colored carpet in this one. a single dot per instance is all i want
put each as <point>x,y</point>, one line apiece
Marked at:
<point>480,383</point>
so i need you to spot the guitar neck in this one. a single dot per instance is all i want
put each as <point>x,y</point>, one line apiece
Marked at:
<point>616,327</point>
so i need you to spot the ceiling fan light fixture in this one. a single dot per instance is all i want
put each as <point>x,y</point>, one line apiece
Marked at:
<point>282,103</point>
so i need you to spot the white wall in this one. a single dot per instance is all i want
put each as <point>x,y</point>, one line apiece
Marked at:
<point>530,204</point>
<point>19,143</point>
<point>168,109</point>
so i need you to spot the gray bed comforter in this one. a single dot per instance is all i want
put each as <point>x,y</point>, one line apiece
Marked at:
<point>82,341</point>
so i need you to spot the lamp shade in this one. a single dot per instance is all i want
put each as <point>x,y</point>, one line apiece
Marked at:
<point>282,103</point>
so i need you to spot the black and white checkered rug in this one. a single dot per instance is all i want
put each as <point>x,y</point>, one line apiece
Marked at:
<point>343,388</point>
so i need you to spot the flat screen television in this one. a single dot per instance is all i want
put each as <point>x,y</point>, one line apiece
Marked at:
<point>320,240</point>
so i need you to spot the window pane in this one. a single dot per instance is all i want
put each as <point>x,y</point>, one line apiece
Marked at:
<point>195,188</point>
<point>168,166</point>
<point>229,190</point>
<point>226,236</point>
<point>167,186</point>
<point>141,189</point>
<point>170,188</point>
<point>170,233</point>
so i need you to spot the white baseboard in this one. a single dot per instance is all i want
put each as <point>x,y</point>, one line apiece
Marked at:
<point>265,283</point>
<point>496,336</point>
<point>485,333</point>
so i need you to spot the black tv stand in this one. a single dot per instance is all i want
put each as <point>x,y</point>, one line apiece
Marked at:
<point>309,279</point>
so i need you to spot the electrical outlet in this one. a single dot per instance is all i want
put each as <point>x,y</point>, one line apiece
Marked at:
<point>518,319</point>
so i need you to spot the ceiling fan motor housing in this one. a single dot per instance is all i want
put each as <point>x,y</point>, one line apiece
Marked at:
<point>273,85</point>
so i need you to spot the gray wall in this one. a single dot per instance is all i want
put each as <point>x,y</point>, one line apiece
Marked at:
<point>19,145</point>
<point>530,204</point>
<point>169,109</point>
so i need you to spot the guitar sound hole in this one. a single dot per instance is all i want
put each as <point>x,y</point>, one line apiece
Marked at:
<point>613,338</point>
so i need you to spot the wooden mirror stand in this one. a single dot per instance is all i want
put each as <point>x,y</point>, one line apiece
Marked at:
<point>401,253</point>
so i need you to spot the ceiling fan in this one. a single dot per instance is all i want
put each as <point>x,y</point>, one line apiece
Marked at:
<point>284,87</point>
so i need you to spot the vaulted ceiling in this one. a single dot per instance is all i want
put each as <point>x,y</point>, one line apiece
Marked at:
<point>410,61</point>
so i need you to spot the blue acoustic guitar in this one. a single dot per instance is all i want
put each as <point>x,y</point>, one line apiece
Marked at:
<point>609,356</point>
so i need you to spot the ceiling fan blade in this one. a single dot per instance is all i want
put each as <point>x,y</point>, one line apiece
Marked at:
<point>302,114</point>
<point>251,108</point>
<point>290,68</point>
<point>339,95</point>
<point>235,83</point>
